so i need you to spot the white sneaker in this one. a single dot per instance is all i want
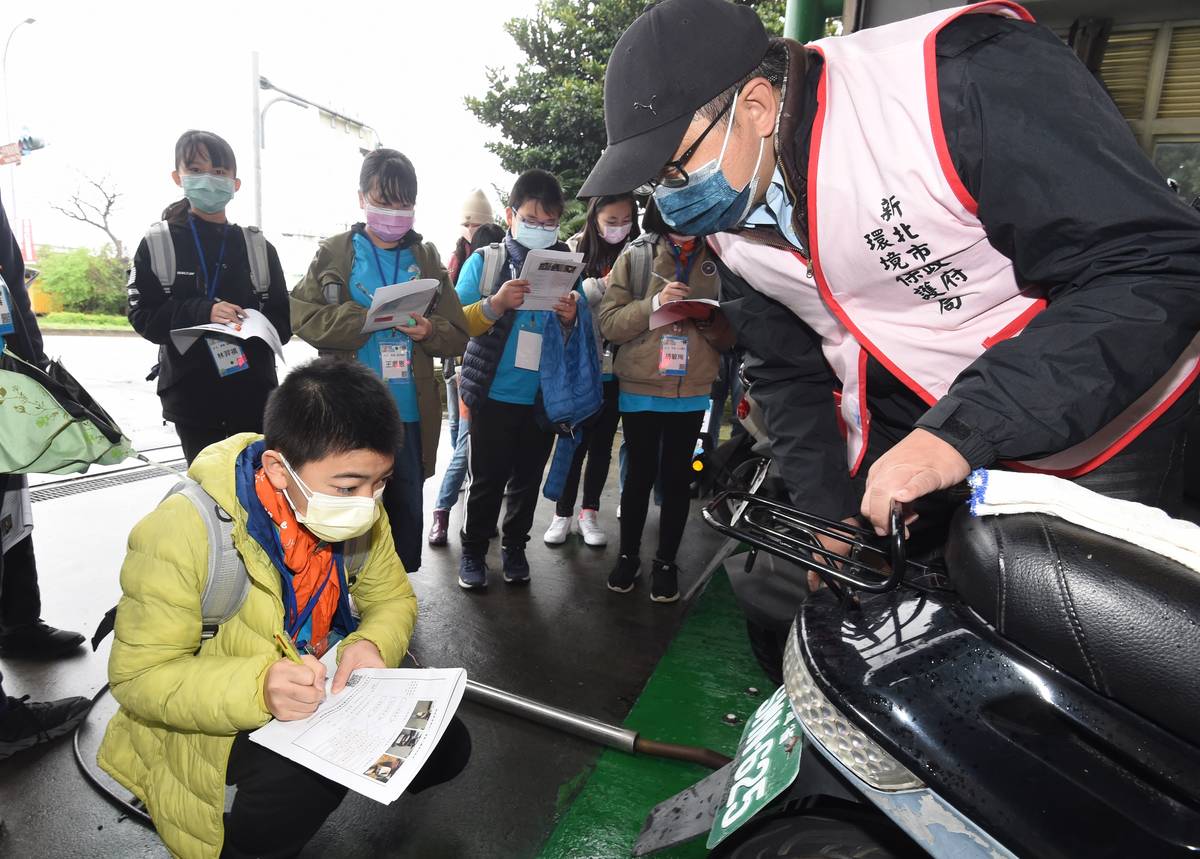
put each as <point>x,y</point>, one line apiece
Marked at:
<point>592,533</point>
<point>556,534</point>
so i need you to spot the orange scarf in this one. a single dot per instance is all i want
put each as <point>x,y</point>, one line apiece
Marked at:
<point>307,563</point>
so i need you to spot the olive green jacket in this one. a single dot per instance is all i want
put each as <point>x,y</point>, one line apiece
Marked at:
<point>327,318</point>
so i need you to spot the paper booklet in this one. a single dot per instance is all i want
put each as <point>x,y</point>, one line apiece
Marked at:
<point>254,325</point>
<point>375,735</point>
<point>391,306</point>
<point>687,308</point>
<point>551,275</point>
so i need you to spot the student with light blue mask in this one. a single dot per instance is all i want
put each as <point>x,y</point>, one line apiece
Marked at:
<point>500,380</point>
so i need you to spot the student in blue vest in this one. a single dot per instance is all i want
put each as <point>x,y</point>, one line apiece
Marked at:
<point>217,387</point>
<point>329,309</point>
<point>500,383</point>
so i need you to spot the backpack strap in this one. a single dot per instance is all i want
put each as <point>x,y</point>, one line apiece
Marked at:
<point>495,256</point>
<point>354,556</point>
<point>162,254</point>
<point>260,265</point>
<point>227,582</point>
<point>641,259</point>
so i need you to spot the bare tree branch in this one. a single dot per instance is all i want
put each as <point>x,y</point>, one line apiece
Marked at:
<point>98,215</point>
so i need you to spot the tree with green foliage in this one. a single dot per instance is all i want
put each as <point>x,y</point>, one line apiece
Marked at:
<point>550,111</point>
<point>85,282</point>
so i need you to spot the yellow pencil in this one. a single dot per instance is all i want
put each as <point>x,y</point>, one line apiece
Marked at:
<point>288,649</point>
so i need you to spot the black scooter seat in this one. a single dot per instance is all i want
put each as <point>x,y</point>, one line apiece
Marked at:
<point>1121,619</point>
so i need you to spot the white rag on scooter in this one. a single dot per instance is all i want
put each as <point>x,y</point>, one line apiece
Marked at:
<point>1003,492</point>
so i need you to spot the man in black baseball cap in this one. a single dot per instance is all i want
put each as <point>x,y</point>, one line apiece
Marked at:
<point>663,70</point>
<point>951,162</point>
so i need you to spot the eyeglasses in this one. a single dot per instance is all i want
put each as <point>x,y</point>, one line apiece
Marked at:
<point>673,174</point>
<point>545,225</point>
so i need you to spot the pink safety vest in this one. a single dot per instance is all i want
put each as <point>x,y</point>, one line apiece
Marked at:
<point>901,267</point>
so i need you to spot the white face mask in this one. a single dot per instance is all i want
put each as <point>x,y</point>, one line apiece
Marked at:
<point>616,235</point>
<point>334,518</point>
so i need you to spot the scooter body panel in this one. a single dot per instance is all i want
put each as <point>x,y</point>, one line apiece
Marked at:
<point>1042,764</point>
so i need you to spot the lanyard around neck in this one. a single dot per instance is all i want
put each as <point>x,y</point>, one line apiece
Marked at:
<point>379,265</point>
<point>682,271</point>
<point>210,284</point>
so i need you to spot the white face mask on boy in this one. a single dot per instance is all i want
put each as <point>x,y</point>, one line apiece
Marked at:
<point>334,518</point>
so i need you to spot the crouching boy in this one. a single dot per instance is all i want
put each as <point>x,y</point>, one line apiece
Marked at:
<point>295,495</point>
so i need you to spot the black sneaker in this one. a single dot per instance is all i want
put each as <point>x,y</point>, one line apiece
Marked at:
<point>39,640</point>
<point>24,723</point>
<point>472,572</point>
<point>516,566</point>
<point>624,574</point>
<point>664,582</point>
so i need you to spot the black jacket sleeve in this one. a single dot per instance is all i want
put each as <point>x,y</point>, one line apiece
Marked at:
<point>793,385</point>
<point>152,312</point>
<point>277,307</point>
<point>1065,192</point>
<point>26,339</point>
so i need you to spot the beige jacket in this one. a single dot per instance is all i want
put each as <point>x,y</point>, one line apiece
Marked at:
<point>625,321</point>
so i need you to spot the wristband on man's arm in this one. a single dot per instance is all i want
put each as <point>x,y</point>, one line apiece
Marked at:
<point>943,421</point>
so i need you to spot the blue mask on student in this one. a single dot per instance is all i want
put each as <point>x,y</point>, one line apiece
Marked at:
<point>534,238</point>
<point>707,204</point>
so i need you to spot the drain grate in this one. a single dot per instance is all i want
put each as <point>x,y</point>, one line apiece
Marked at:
<point>79,485</point>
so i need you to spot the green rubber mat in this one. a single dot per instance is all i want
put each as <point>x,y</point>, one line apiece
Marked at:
<point>705,674</point>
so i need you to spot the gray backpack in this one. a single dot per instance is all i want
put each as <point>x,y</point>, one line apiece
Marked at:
<point>228,582</point>
<point>495,257</point>
<point>641,259</point>
<point>162,258</point>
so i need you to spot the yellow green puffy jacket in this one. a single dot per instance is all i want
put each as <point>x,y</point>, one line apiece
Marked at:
<point>180,710</point>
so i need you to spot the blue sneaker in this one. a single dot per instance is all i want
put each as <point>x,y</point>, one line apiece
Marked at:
<point>472,572</point>
<point>516,567</point>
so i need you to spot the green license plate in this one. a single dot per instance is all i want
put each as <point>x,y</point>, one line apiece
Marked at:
<point>768,758</point>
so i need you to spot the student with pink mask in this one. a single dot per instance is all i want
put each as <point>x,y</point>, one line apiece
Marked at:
<point>329,307</point>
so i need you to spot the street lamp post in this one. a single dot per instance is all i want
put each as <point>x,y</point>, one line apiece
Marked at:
<point>12,176</point>
<point>258,82</point>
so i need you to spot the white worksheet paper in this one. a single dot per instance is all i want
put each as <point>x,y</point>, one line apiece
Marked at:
<point>391,306</point>
<point>551,275</point>
<point>254,325</point>
<point>375,735</point>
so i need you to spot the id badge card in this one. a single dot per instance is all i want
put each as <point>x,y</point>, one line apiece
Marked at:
<point>229,356</point>
<point>6,311</point>
<point>396,359</point>
<point>673,355</point>
<point>529,350</point>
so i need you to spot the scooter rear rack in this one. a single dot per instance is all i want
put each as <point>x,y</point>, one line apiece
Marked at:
<point>872,564</point>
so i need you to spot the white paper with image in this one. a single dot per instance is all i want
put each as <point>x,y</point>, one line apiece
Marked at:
<point>391,306</point>
<point>551,275</point>
<point>375,735</point>
<point>254,325</point>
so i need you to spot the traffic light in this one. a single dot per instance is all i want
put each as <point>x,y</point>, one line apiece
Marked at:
<point>29,143</point>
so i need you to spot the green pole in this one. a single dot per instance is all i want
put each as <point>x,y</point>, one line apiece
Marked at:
<point>805,19</point>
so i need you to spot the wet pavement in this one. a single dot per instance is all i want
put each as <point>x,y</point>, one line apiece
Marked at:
<point>564,639</point>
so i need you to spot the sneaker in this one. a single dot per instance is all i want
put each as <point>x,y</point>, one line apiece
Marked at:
<point>39,640</point>
<point>664,582</point>
<point>25,723</point>
<point>592,533</point>
<point>624,574</point>
<point>441,524</point>
<point>560,527</point>
<point>472,572</point>
<point>516,566</point>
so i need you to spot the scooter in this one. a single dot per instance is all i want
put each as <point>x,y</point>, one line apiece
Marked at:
<point>1032,693</point>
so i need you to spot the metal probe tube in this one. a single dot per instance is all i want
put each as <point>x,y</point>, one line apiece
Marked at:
<point>564,720</point>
